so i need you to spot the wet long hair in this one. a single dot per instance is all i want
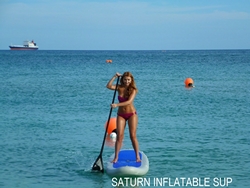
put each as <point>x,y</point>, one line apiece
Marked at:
<point>132,85</point>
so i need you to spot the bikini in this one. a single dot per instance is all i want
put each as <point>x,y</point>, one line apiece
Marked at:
<point>126,116</point>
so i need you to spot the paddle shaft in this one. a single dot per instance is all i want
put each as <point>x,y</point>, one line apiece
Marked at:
<point>110,112</point>
<point>98,165</point>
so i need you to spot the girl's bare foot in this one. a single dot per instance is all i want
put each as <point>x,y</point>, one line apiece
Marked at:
<point>114,160</point>
<point>138,159</point>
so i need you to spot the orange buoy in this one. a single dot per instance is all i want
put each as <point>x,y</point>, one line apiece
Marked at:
<point>110,142</point>
<point>112,125</point>
<point>108,61</point>
<point>189,82</point>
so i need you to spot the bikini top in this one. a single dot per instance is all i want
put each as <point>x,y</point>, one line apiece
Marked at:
<point>122,99</point>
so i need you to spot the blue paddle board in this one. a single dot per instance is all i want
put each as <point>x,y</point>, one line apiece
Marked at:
<point>127,165</point>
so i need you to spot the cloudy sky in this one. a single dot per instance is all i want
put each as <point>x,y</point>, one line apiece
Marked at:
<point>126,24</point>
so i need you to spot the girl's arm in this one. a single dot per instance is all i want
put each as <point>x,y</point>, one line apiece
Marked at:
<point>109,84</point>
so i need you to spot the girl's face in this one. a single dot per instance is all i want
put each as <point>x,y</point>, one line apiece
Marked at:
<point>127,80</point>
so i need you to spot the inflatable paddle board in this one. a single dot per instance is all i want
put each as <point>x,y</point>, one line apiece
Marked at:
<point>127,165</point>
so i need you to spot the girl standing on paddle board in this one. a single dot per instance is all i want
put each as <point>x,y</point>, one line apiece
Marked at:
<point>126,111</point>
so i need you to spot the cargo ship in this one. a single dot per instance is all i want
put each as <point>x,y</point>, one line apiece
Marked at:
<point>27,45</point>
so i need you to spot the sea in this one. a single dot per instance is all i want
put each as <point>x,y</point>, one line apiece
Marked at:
<point>54,106</point>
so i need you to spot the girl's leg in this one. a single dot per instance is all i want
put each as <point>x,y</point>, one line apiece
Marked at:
<point>132,123</point>
<point>120,126</point>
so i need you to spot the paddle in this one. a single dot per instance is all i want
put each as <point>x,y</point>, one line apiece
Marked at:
<point>98,165</point>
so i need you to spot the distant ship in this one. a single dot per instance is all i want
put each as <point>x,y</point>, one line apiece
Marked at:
<point>27,45</point>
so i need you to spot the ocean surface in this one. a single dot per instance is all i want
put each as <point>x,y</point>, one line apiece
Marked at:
<point>54,105</point>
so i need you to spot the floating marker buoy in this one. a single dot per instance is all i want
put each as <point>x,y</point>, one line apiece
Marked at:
<point>112,125</point>
<point>189,82</point>
<point>108,61</point>
<point>110,141</point>
<point>113,135</point>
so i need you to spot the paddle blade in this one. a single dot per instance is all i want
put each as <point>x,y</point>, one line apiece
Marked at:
<point>98,165</point>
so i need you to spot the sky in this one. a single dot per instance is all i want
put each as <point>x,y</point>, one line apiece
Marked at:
<point>126,24</point>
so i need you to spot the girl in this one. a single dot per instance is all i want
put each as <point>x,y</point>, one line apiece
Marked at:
<point>126,111</point>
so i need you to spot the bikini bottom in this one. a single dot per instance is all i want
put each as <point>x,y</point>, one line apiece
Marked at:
<point>126,116</point>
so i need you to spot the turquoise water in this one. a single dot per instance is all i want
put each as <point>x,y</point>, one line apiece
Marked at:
<point>54,105</point>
